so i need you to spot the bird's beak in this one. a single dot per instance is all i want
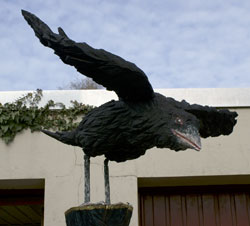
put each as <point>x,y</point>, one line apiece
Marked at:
<point>190,138</point>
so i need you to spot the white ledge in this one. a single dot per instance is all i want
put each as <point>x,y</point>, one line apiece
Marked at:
<point>217,97</point>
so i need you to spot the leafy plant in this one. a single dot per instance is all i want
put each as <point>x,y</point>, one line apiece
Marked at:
<point>24,113</point>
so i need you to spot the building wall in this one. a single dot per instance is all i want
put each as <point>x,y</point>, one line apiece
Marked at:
<point>224,159</point>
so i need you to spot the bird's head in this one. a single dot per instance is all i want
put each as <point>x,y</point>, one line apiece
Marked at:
<point>185,131</point>
<point>177,128</point>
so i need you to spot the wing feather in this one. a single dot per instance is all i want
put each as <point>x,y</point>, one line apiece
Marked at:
<point>125,78</point>
<point>213,122</point>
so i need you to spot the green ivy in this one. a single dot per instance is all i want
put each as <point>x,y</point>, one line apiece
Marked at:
<point>24,113</point>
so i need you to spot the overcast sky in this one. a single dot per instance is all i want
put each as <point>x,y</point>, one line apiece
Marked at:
<point>177,43</point>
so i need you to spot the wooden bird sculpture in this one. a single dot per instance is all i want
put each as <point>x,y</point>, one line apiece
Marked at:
<point>141,119</point>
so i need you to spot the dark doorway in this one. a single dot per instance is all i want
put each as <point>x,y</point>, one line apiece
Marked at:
<point>195,206</point>
<point>21,206</point>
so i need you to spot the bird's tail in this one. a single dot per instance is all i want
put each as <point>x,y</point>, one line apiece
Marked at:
<point>46,36</point>
<point>64,137</point>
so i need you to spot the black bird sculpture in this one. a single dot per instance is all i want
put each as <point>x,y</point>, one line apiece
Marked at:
<point>141,119</point>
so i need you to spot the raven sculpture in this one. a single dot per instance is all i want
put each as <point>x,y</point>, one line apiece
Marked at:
<point>141,119</point>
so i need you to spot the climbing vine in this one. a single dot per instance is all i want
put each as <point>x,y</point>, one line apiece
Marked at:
<point>24,113</point>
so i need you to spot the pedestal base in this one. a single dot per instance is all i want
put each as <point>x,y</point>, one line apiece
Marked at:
<point>99,215</point>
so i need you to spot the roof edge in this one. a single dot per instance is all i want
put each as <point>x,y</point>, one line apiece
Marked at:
<point>217,97</point>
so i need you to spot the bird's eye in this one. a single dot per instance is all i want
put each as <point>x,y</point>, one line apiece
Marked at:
<point>178,121</point>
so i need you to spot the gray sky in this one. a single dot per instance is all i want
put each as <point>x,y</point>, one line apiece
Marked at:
<point>177,43</point>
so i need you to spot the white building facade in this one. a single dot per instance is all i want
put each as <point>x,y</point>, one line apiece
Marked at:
<point>36,161</point>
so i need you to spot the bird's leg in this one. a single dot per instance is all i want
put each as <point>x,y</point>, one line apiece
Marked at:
<point>106,181</point>
<point>86,178</point>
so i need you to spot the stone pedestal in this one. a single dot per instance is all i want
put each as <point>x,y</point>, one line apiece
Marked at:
<point>99,215</point>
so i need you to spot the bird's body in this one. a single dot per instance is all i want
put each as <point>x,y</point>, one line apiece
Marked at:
<point>125,130</point>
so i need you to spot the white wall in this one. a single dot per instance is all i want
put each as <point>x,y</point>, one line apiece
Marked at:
<point>34,155</point>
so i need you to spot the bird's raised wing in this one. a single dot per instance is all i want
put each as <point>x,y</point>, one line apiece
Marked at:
<point>213,122</point>
<point>125,78</point>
